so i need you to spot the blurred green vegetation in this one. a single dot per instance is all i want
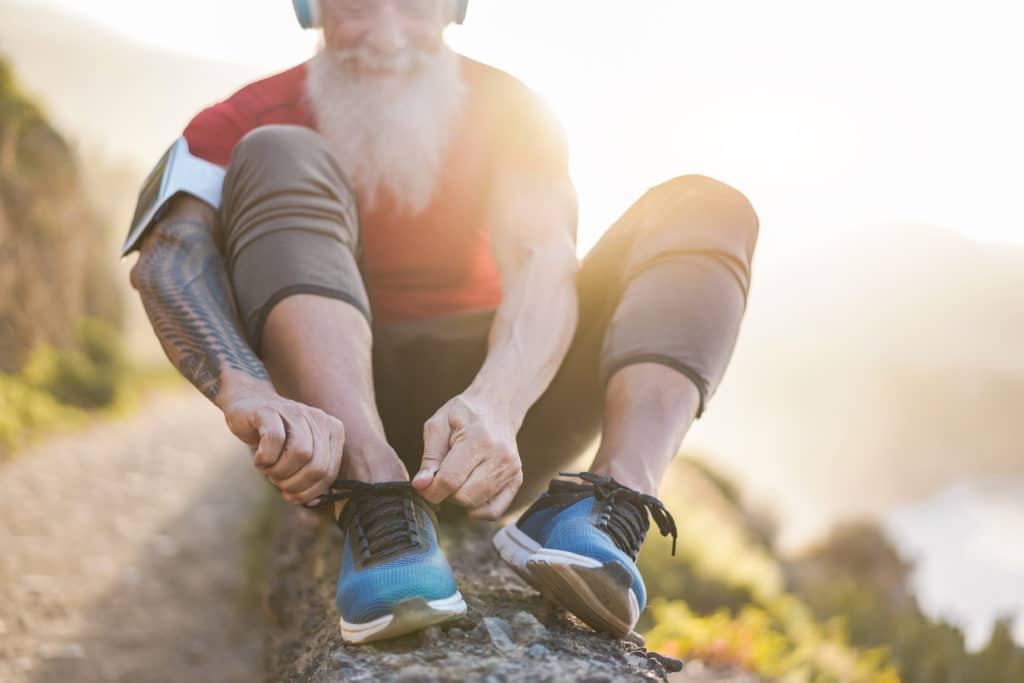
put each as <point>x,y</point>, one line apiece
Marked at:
<point>60,387</point>
<point>87,375</point>
<point>841,611</point>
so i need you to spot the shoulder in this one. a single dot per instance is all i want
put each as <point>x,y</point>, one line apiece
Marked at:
<point>213,132</point>
<point>507,101</point>
<point>495,85</point>
<point>283,89</point>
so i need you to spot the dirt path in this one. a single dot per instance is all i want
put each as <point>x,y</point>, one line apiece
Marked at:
<point>122,553</point>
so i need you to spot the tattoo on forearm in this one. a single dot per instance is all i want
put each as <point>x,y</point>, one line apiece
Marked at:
<point>186,293</point>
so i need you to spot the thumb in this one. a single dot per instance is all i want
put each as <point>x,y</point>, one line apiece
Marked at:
<point>436,435</point>
<point>273,433</point>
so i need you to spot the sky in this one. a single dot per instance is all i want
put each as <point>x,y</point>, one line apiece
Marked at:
<point>828,117</point>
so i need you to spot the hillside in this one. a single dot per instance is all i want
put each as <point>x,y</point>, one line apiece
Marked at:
<point>53,269</point>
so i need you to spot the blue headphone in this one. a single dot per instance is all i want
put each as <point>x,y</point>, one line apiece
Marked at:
<point>308,12</point>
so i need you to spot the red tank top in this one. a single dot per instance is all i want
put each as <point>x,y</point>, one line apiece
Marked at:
<point>440,261</point>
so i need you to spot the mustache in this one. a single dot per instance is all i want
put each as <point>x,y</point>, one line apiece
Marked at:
<point>405,61</point>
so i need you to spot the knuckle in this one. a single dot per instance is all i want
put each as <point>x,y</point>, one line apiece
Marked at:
<point>446,481</point>
<point>431,428</point>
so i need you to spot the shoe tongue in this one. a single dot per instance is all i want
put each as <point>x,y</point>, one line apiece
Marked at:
<point>387,521</point>
<point>389,508</point>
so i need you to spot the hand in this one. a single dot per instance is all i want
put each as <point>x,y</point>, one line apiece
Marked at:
<point>470,454</point>
<point>298,447</point>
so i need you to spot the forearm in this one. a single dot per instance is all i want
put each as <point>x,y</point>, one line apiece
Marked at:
<point>531,333</point>
<point>185,290</point>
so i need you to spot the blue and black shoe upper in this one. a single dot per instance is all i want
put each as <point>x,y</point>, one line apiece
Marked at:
<point>600,519</point>
<point>391,551</point>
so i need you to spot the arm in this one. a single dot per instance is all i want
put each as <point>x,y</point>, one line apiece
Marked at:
<point>536,257</point>
<point>470,443</point>
<point>181,278</point>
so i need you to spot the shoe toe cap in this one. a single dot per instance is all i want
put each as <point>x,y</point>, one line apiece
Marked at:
<point>374,591</point>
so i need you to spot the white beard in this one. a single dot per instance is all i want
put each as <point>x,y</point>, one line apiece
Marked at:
<point>388,132</point>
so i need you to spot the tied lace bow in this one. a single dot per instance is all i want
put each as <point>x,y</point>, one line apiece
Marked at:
<point>627,530</point>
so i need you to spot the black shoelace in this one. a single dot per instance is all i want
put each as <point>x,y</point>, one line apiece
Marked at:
<point>383,516</point>
<point>622,513</point>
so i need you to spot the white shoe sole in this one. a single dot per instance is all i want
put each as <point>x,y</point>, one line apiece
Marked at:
<point>515,548</point>
<point>598,593</point>
<point>408,616</point>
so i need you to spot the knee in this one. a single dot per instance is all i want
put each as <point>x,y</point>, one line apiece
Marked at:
<point>287,166</point>
<point>277,143</point>
<point>689,203</point>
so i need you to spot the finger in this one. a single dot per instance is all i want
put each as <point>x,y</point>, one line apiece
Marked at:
<point>272,434</point>
<point>335,446</point>
<point>298,450</point>
<point>316,470</point>
<point>437,434</point>
<point>483,483</point>
<point>497,506</point>
<point>452,474</point>
<point>337,449</point>
<point>311,494</point>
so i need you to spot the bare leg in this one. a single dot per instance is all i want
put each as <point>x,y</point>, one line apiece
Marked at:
<point>319,352</point>
<point>649,407</point>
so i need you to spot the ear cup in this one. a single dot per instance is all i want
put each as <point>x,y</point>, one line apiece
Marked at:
<point>307,12</point>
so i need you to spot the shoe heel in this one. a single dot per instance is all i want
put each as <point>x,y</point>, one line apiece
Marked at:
<point>515,548</point>
<point>599,594</point>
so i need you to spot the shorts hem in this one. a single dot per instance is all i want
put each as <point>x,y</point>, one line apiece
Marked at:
<point>668,361</point>
<point>256,332</point>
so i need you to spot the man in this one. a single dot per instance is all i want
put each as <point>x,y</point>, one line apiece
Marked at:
<point>390,287</point>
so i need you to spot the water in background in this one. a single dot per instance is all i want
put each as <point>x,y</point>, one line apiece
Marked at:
<point>967,542</point>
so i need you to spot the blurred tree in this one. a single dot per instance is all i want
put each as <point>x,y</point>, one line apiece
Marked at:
<point>56,259</point>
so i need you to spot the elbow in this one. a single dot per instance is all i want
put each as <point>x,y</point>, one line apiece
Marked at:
<point>142,275</point>
<point>135,275</point>
<point>556,259</point>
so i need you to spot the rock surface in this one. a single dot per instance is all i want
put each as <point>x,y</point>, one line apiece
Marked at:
<point>509,634</point>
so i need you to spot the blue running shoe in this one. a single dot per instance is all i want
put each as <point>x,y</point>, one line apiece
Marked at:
<point>394,577</point>
<point>577,545</point>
